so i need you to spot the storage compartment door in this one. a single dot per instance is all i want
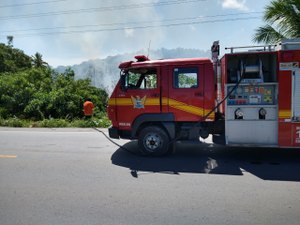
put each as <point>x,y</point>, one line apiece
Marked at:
<point>296,96</point>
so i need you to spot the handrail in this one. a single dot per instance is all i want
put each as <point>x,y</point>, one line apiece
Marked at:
<point>290,43</point>
<point>265,47</point>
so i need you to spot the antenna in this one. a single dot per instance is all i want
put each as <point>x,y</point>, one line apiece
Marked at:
<point>149,49</point>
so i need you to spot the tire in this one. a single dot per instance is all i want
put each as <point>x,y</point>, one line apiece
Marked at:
<point>153,141</point>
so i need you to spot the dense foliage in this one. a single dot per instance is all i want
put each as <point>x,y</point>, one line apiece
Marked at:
<point>31,90</point>
<point>12,60</point>
<point>282,19</point>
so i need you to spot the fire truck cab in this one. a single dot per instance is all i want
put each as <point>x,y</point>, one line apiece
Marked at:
<point>248,98</point>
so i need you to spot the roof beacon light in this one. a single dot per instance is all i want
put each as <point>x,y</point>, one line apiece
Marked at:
<point>141,58</point>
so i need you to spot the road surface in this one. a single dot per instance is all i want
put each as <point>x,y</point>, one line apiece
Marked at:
<point>78,177</point>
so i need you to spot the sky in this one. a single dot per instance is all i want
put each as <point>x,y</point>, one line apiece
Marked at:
<point>67,32</point>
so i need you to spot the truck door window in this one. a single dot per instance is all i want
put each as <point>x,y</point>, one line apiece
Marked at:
<point>186,77</point>
<point>141,79</point>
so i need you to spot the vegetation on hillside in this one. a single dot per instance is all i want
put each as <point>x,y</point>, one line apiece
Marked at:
<point>30,91</point>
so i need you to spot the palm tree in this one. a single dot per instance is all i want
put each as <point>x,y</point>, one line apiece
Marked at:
<point>37,61</point>
<point>283,21</point>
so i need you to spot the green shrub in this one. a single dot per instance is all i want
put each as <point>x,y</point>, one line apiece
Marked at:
<point>92,122</point>
<point>53,123</point>
<point>14,122</point>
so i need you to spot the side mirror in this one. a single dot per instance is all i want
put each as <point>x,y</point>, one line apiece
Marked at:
<point>123,82</point>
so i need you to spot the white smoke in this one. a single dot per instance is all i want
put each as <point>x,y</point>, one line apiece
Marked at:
<point>95,42</point>
<point>94,31</point>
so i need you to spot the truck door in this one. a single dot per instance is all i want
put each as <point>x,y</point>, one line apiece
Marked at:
<point>140,95</point>
<point>186,92</point>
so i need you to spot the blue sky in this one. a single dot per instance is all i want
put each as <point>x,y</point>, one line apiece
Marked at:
<point>67,32</point>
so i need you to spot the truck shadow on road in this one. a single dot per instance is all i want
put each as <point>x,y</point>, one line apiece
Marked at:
<point>265,163</point>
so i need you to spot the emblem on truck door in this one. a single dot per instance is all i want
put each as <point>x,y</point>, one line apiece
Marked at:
<point>138,102</point>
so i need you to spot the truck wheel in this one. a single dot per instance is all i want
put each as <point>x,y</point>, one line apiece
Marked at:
<point>153,141</point>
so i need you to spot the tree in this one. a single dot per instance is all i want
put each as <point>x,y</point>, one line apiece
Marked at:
<point>38,92</point>
<point>10,40</point>
<point>13,59</point>
<point>37,61</point>
<point>283,21</point>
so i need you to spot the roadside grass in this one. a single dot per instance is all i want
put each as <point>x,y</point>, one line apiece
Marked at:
<point>55,123</point>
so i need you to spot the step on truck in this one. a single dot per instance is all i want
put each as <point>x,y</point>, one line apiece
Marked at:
<point>249,97</point>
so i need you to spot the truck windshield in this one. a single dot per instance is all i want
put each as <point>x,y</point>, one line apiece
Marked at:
<point>141,79</point>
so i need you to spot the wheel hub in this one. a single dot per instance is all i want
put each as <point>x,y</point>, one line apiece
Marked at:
<point>153,141</point>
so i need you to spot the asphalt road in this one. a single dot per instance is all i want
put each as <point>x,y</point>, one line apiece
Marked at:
<point>76,176</point>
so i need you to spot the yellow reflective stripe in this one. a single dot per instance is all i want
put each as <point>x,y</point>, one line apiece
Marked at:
<point>211,115</point>
<point>152,101</point>
<point>166,102</point>
<point>123,101</point>
<point>190,108</point>
<point>128,101</point>
<point>185,107</point>
<point>112,101</point>
<point>284,114</point>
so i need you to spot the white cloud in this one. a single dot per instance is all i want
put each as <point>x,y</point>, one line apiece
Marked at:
<point>192,28</point>
<point>129,32</point>
<point>235,4</point>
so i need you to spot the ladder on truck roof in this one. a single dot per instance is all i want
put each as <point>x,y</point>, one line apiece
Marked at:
<point>290,44</point>
<point>286,44</point>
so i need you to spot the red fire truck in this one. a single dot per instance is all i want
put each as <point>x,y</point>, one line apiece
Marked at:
<point>247,98</point>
